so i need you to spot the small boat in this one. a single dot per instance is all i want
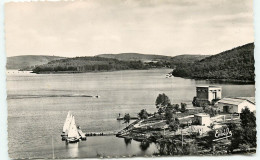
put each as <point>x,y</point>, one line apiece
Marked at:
<point>73,134</point>
<point>168,75</point>
<point>81,134</point>
<point>120,118</point>
<point>66,126</point>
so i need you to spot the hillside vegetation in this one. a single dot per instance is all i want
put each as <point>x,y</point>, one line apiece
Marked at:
<point>234,64</point>
<point>156,61</point>
<point>97,63</point>
<point>27,62</point>
<point>135,57</point>
<point>186,58</point>
<point>86,64</point>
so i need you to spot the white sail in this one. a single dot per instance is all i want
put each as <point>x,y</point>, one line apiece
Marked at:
<point>67,123</point>
<point>73,131</point>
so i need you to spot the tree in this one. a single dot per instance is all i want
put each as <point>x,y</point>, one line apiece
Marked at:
<point>162,100</point>
<point>190,149</point>
<point>212,112</point>
<point>237,138</point>
<point>244,136</point>
<point>244,147</point>
<point>174,125</point>
<point>248,118</point>
<point>194,101</point>
<point>176,107</point>
<point>143,114</point>
<point>183,107</point>
<point>169,146</point>
<point>160,110</point>
<point>127,118</point>
<point>248,123</point>
<point>168,115</point>
<point>144,145</point>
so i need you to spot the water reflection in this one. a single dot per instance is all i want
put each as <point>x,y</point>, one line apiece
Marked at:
<point>127,141</point>
<point>72,149</point>
<point>144,145</point>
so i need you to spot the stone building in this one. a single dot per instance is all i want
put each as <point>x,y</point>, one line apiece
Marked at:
<point>236,105</point>
<point>202,119</point>
<point>207,94</point>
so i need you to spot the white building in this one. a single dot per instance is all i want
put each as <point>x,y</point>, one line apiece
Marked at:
<point>202,119</point>
<point>236,105</point>
<point>205,94</point>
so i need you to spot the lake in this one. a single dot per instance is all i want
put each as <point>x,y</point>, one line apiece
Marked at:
<point>38,105</point>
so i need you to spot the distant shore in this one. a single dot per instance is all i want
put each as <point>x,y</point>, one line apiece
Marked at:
<point>206,79</point>
<point>222,80</point>
<point>98,71</point>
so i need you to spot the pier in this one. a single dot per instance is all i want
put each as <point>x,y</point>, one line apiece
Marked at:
<point>131,118</point>
<point>89,134</point>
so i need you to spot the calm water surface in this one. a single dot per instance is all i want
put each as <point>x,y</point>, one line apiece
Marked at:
<point>38,106</point>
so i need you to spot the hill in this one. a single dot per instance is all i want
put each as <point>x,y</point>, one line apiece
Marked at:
<point>87,64</point>
<point>135,57</point>
<point>234,64</point>
<point>187,58</point>
<point>26,62</point>
<point>107,62</point>
<point>155,61</point>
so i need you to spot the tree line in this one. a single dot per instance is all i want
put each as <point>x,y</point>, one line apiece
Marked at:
<point>235,64</point>
<point>86,64</point>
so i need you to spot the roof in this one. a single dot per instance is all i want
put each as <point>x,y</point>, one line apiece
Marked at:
<point>235,101</point>
<point>250,99</point>
<point>202,115</point>
<point>209,86</point>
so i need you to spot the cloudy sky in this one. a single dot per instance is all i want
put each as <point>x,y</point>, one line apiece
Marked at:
<point>91,27</point>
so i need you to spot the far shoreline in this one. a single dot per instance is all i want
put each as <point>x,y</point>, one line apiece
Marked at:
<point>100,71</point>
<point>221,80</point>
<point>225,81</point>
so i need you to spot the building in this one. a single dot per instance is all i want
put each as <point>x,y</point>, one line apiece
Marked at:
<point>205,94</point>
<point>236,105</point>
<point>202,119</point>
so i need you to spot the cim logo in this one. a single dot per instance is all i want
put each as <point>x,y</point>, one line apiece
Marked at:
<point>221,134</point>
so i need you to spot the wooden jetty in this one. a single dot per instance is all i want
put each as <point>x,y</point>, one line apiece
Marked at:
<point>89,134</point>
<point>122,118</point>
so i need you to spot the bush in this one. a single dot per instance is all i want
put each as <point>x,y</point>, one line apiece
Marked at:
<point>143,114</point>
<point>183,107</point>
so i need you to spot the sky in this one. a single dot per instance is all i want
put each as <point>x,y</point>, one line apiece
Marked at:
<point>91,27</point>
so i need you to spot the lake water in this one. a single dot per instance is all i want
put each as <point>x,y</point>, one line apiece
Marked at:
<point>38,106</point>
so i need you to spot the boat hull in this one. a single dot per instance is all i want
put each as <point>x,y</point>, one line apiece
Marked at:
<point>64,136</point>
<point>72,140</point>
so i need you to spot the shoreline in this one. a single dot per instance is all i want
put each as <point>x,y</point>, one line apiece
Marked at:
<point>101,71</point>
<point>221,80</point>
<point>233,81</point>
<point>206,79</point>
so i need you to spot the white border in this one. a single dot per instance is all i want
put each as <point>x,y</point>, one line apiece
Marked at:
<point>3,104</point>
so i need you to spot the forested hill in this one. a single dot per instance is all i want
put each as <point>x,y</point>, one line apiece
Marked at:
<point>234,64</point>
<point>28,61</point>
<point>87,64</point>
<point>135,57</point>
<point>187,58</point>
<point>97,63</point>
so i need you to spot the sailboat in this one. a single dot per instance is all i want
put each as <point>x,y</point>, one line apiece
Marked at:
<point>73,135</point>
<point>66,126</point>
